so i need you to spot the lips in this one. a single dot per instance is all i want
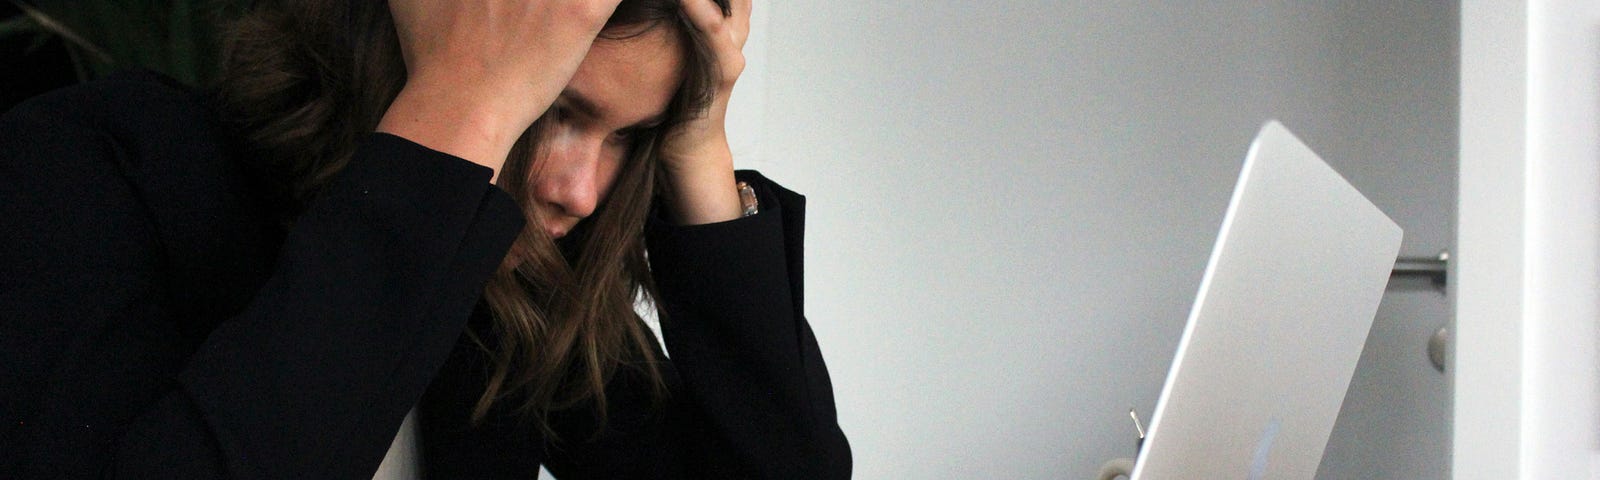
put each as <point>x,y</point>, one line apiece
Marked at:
<point>560,227</point>
<point>557,224</point>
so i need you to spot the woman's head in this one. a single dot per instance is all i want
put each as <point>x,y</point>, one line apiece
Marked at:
<point>306,79</point>
<point>620,96</point>
<point>586,173</point>
<point>647,71</point>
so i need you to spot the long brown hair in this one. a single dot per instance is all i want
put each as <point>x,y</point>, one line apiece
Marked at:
<point>304,80</point>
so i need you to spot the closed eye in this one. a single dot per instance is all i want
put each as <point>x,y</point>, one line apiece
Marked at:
<point>624,136</point>
<point>627,136</point>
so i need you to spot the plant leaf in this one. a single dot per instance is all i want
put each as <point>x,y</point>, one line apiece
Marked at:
<point>50,24</point>
<point>19,25</point>
<point>179,38</point>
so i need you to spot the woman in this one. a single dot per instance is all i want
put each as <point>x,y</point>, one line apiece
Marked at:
<point>261,282</point>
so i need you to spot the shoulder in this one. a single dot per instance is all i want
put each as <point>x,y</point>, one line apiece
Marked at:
<point>141,117</point>
<point>159,136</point>
<point>129,100</point>
<point>144,154</point>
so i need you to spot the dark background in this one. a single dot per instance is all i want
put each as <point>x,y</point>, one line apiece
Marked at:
<point>31,67</point>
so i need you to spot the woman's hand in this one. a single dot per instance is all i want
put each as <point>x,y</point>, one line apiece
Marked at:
<point>698,162</point>
<point>480,72</point>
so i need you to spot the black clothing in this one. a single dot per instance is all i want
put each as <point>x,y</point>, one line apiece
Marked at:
<point>156,322</point>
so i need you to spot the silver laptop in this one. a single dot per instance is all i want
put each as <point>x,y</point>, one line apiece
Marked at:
<point>1283,311</point>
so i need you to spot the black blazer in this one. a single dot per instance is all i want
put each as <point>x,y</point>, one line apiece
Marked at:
<point>155,322</point>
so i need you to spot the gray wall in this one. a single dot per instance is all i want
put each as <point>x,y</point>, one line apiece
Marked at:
<point>1012,203</point>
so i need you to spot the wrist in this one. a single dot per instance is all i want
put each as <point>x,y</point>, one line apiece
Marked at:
<point>454,121</point>
<point>702,188</point>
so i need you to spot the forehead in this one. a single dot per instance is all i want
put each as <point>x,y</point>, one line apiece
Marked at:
<point>630,79</point>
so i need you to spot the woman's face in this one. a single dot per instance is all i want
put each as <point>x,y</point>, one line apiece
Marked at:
<point>622,88</point>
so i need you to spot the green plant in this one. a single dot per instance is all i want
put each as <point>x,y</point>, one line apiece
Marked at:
<point>175,37</point>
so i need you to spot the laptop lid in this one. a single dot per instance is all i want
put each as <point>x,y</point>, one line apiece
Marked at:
<point>1278,324</point>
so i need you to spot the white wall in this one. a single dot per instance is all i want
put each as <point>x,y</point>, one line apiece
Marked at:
<point>1489,288</point>
<point>1563,276</point>
<point>1011,203</point>
<point>1528,399</point>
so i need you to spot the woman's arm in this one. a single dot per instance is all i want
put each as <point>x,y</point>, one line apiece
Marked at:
<point>695,156</point>
<point>752,397</point>
<point>479,73</point>
<point>310,380</point>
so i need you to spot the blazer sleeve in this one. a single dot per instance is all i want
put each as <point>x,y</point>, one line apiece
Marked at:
<point>752,397</point>
<point>370,289</point>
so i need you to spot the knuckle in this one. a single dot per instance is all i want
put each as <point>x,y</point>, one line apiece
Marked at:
<point>733,65</point>
<point>590,12</point>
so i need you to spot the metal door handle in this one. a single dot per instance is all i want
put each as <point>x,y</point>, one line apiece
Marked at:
<point>1434,267</point>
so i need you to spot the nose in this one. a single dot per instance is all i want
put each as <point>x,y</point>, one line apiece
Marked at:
<point>570,177</point>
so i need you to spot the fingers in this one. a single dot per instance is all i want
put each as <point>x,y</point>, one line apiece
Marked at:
<point>704,14</point>
<point>741,21</point>
<point>708,17</point>
<point>741,10</point>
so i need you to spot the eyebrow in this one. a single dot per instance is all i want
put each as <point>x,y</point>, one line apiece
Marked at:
<point>575,100</point>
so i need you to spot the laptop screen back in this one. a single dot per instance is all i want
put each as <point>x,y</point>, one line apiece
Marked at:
<point>1282,314</point>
